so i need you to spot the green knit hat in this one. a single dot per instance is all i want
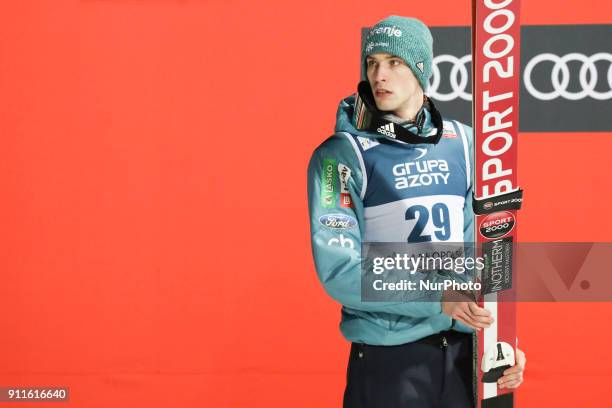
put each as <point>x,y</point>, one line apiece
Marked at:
<point>405,37</point>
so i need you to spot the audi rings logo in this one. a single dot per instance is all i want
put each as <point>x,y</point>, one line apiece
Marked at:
<point>560,76</point>
<point>459,76</point>
<point>588,77</point>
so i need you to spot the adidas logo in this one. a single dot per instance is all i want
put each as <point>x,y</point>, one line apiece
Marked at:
<point>387,130</point>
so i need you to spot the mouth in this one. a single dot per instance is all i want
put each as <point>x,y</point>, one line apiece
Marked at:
<point>381,93</point>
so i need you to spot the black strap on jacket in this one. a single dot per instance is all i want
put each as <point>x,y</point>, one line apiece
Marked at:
<point>368,117</point>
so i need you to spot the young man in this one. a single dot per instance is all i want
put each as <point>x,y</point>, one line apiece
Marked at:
<point>395,171</point>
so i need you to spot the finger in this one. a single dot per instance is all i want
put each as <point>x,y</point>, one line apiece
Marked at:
<point>477,310</point>
<point>520,358</point>
<point>513,369</point>
<point>511,384</point>
<point>481,311</point>
<point>471,322</point>
<point>481,321</point>
<point>509,377</point>
<point>463,318</point>
<point>459,316</point>
<point>486,321</point>
<point>514,385</point>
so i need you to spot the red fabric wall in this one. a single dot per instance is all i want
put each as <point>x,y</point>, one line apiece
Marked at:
<point>155,247</point>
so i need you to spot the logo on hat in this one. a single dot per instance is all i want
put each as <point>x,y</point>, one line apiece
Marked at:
<point>371,45</point>
<point>420,66</point>
<point>390,31</point>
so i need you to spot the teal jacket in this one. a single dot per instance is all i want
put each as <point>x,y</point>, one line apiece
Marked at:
<point>358,191</point>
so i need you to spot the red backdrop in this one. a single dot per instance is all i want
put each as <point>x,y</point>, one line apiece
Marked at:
<point>155,247</point>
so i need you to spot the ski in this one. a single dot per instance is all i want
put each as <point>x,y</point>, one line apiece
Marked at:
<point>495,90</point>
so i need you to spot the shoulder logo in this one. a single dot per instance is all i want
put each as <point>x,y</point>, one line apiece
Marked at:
<point>448,130</point>
<point>387,130</point>
<point>345,197</point>
<point>329,177</point>
<point>337,221</point>
<point>449,133</point>
<point>367,143</point>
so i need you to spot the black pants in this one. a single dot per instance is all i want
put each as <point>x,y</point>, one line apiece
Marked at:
<point>435,372</point>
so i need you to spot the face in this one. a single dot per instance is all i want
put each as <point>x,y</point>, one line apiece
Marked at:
<point>393,84</point>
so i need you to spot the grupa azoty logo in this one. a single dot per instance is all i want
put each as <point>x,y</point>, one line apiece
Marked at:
<point>422,152</point>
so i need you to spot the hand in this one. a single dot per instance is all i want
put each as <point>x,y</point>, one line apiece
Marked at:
<point>465,310</point>
<point>513,377</point>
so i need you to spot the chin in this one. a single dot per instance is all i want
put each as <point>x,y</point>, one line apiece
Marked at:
<point>386,106</point>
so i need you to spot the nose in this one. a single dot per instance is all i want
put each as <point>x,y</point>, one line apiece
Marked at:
<point>380,73</point>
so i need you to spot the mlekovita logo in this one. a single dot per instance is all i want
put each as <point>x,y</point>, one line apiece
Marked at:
<point>497,225</point>
<point>337,221</point>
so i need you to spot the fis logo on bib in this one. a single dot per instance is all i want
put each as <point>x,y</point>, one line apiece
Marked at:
<point>420,173</point>
<point>337,221</point>
<point>367,143</point>
<point>449,134</point>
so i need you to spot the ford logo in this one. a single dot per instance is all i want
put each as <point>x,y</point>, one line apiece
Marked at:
<point>338,221</point>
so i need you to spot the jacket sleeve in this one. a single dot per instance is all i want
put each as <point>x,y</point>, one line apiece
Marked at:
<point>337,228</point>
<point>468,220</point>
<point>468,213</point>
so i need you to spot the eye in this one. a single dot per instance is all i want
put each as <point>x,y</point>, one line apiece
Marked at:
<point>370,63</point>
<point>395,62</point>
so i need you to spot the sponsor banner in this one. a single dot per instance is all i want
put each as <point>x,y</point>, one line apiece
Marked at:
<point>337,221</point>
<point>497,272</point>
<point>508,201</point>
<point>496,225</point>
<point>329,183</point>
<point>344,173</point>
<point>420,173</point>
<point>341,241</point>
<point>565,83</point>
<point>566,78</point>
